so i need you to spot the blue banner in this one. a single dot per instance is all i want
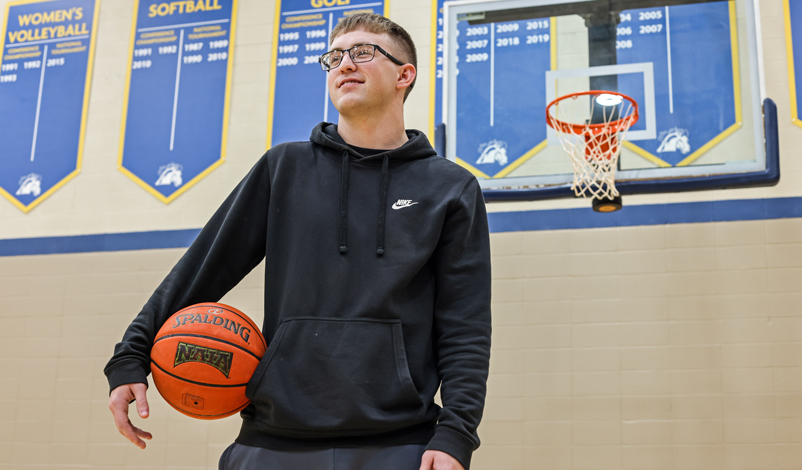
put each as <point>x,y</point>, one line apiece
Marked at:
<point>299,96</point>
<point>436,66</point>
<point>501,122</point>
<point>175,113</point>
<point>793,44</point>
<point>45,73</point>
<point>694,49</point>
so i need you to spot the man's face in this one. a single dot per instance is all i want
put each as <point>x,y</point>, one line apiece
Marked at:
<point>366,85</point>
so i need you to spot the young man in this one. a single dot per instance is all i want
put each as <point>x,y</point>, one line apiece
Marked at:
<point>377,284</point>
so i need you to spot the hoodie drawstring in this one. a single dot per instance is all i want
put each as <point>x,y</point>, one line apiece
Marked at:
<point>383,188</point>
<point>344,205</point>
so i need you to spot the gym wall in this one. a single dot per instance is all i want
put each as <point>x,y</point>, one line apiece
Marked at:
<point>666,346</point>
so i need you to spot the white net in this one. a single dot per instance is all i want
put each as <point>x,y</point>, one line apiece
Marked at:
<point>591,127</point>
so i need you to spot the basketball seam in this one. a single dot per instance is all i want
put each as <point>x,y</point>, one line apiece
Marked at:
<point>195,335</point>
<point>226,413</point>
<point>194,382</point>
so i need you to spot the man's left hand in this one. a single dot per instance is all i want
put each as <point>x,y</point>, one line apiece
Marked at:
<point>436,460</point>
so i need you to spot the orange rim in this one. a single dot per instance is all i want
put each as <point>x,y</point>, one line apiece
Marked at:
<point>579,129</point>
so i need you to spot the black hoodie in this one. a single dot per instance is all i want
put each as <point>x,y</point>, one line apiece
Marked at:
<point>377,289</point>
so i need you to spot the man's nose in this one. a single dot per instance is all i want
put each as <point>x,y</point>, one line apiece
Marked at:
<point>346,63</point>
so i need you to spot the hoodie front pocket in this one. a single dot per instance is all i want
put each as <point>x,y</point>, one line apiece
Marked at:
<point>332,376</point>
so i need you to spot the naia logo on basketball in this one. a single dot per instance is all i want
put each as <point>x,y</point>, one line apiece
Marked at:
<point>494,151</point>
<point>220,360</point>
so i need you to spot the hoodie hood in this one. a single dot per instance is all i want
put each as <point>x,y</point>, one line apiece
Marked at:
<point>417,147</point>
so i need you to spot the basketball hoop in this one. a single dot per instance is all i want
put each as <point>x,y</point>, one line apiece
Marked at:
<point>591,126</point>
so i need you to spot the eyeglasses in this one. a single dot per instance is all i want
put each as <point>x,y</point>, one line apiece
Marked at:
<point>359,53</point>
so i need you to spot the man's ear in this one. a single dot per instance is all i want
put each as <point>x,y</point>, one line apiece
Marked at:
<point>406,76</point>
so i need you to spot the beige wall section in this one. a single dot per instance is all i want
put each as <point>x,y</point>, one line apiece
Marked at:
<point>662,347</point>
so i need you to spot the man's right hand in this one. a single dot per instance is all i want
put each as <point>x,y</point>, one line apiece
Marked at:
<point>119,400</point>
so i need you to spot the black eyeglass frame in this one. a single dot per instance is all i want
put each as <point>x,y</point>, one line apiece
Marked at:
<point>350,52</point>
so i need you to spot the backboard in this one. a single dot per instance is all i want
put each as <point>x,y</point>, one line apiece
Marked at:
<point>693,66</point>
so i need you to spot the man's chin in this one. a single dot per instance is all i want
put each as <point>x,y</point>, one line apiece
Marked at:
<point>350,105</point>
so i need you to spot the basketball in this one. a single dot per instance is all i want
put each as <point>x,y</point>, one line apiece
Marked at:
<point>203,357</point>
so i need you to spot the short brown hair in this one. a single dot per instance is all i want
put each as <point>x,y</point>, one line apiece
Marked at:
<point>377,24</point>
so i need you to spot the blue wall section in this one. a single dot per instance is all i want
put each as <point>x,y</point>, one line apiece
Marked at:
<point>524,221</point>
<point>650,214</point>
<point>98,242</point>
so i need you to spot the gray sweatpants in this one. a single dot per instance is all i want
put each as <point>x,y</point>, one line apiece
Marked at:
<point>240,457</point>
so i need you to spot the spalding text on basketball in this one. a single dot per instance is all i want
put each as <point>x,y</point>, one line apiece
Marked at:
<point>234,327</point>
<point>220,360</point>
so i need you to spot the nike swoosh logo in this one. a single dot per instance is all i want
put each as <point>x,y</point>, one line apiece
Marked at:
<point>396,206</point>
